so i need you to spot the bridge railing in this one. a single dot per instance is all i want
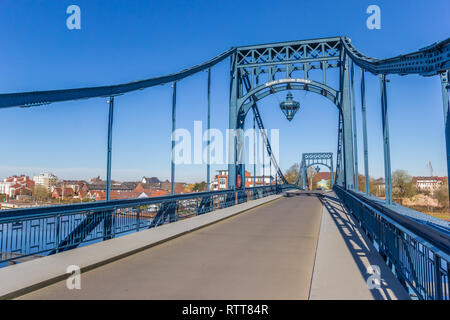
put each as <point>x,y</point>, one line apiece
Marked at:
<point>48,230</point>
<point>418,255</point>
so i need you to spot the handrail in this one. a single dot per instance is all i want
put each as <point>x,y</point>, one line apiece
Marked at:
<point>110,204</point>
<point>435,237</point>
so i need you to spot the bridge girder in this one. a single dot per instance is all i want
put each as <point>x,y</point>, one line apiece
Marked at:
<point>312,159</point>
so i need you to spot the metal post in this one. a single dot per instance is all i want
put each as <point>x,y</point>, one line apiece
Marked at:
<point>233,124</point>
<point>304,177</point>
<point>263,166</point>
<point>208,161</point>
<point>446,104</point>
<point>437,277</point>
<point>254,150</point>
<point>364,122</point>
<point>355,140</point>
<point>332,173</point>
<point>345,103</point>
<point>270,172</point>
<point>174,105</point>
<point>387,152</point>
<point>109,152</point>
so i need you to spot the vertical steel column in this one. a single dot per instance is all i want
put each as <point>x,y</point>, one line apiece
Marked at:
<point>332,173</point>
<point>387,152</point>
<point>355,133</point>
<point>254,150</point>
<point>208,160</point>
<point>446,104</point>
<point>233,124</point>
<point>263,165</point>
<point>364,122</point>
<point>437,277</point>
<point>270,172</point>
<point>349,168</point>
<point>174,106</point>
<point>304,177</point>
<point>109,150</point>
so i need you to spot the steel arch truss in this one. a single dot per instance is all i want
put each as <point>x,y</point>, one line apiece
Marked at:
<point>262,70</point>
<point>269,62</point>
<point>315,158</point>
<point>262,91</point>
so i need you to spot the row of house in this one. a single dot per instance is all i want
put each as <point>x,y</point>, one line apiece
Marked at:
<point>96,189</point>
<point>13,187</point>
<point>221,180</point>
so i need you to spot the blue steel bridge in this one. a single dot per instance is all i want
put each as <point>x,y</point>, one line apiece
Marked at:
<point>412,249</point>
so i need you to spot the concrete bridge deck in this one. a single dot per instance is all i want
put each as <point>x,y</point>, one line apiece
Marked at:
<point>295,247</point>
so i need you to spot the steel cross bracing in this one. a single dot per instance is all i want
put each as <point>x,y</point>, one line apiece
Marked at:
<point>429,61</point>
<point>264,135</point>
<point>311,159</point>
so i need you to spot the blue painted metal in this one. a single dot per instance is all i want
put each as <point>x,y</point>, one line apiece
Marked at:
<point>254,149</point>
<point>266,141</point>
<point>313,159</point>
<point>208,161</point>
<point>289,107</point>
<point>109,147</point>
<point>446,106</point>
<point>261,91</point>
<point>347,122</point>
<point>340,179</point>
<point>418,254</point>
<point>427,61</point>
<point>386,145</point>
<point>355,129</point>
<point>39,230</point>
<point>364,127</point>
<point>278,64</point>
<point>233,124</point>
<point>174,126</point>
<point>28,99</point>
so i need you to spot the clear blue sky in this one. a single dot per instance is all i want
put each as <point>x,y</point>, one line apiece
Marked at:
<point>123,41</point>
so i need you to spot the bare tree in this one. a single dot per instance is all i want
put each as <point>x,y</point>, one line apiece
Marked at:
<point>402,184</point>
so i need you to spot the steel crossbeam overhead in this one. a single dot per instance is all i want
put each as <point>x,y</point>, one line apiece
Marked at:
<point>314,159</point>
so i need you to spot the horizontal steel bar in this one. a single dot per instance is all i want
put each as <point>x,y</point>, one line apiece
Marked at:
<point>28,99</point>
<point>107,205</point>
<point>284,62</point>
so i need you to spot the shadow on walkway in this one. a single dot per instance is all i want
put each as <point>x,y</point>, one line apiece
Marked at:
<point>362,250</point>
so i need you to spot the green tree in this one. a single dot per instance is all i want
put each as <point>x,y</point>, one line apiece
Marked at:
<point>402,184</point>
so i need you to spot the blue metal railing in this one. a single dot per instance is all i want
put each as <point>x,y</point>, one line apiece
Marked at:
<point>419,255</point>
<point>48,230</point>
